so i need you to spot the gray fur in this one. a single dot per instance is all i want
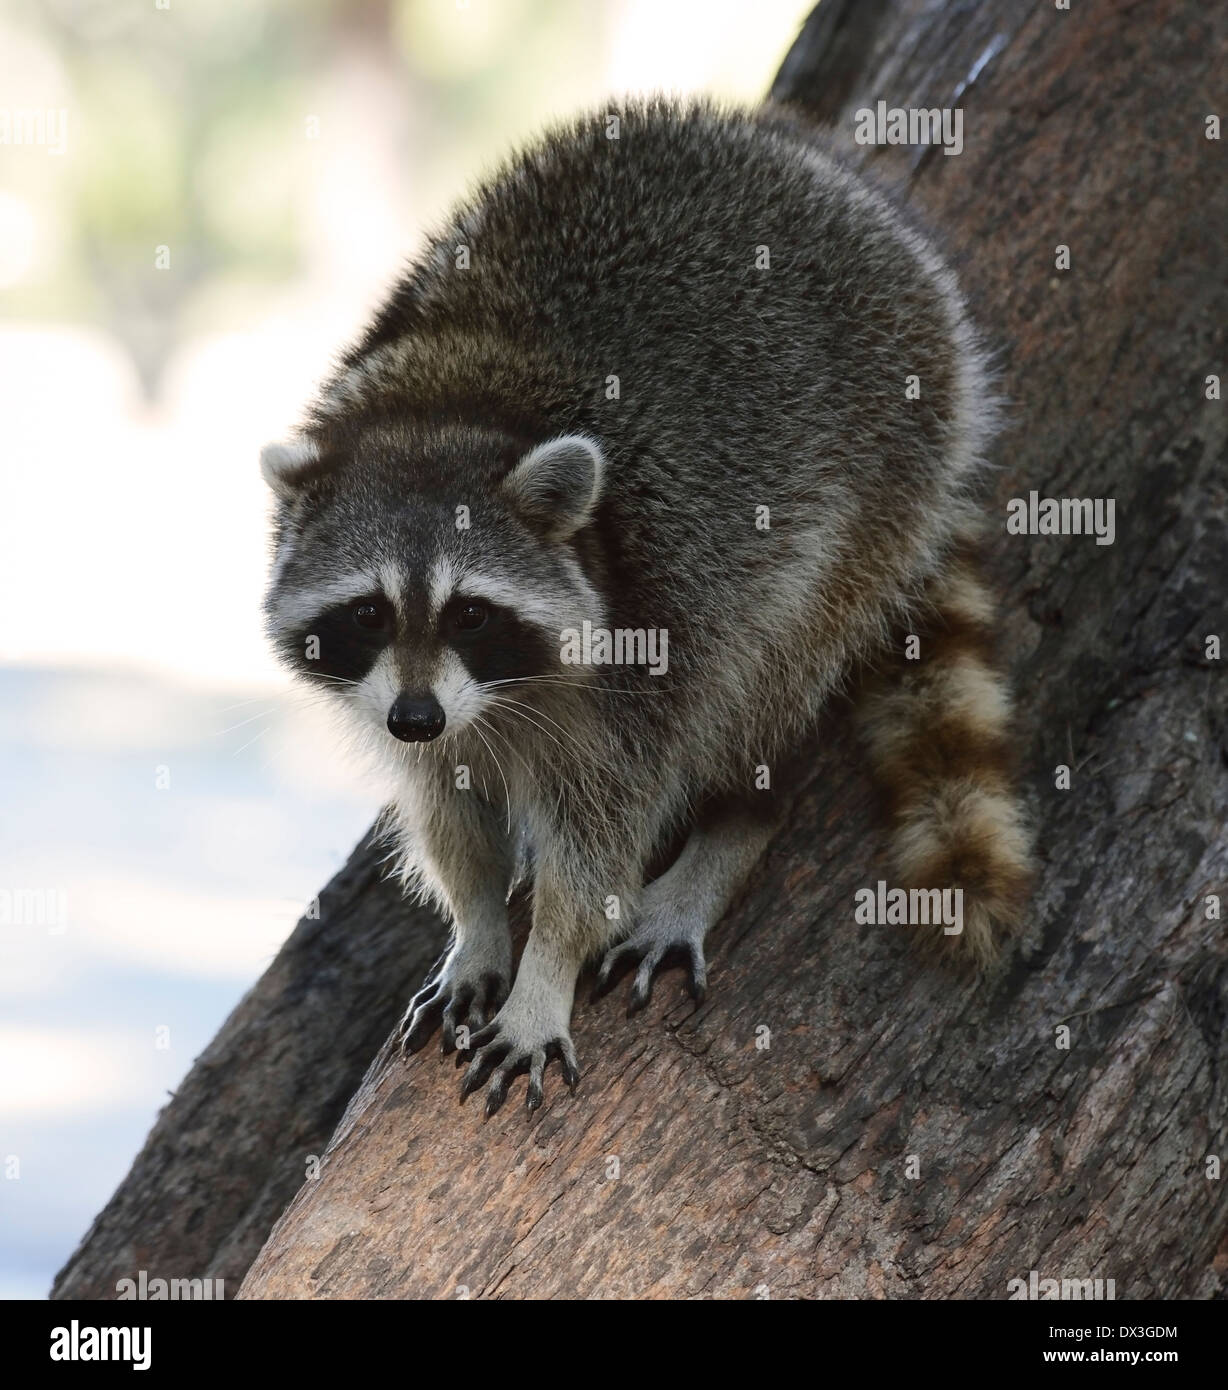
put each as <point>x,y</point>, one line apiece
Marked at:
<point>679,909</point>
<point>741,387</point>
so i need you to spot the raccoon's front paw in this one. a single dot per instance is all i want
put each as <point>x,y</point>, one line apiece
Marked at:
<point>658,936</point>
<point>462,990</point>
<point>518,1039</point>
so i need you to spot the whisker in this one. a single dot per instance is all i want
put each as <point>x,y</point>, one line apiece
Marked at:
<point>337,680</point>
<point>260,714</point>
<point>507,794</point>
<point>241,704</point>
<point>521,715</point>
<point>517,708</point>
<point>558,680</point>
<point>259,735</point>
<point>507,743</point>
<point>541,714</point>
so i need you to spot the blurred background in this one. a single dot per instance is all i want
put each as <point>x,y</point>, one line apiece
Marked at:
<point>199,202</point>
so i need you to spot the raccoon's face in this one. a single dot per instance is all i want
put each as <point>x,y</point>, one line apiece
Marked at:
<point>421,578</point>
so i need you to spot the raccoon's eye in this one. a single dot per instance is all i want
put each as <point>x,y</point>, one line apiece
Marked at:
<point>470,616</point>
<point>370,615</point>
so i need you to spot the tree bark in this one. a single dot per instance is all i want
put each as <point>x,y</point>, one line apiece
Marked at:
<point>234,1143</point>
<point>841,1118</point>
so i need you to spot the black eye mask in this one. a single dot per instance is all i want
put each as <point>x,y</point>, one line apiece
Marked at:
<point>502,647</point>
<point>343,642</point>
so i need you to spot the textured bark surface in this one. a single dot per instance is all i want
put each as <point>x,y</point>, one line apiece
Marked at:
<point>232,1146</point>
<point>761,1143</point>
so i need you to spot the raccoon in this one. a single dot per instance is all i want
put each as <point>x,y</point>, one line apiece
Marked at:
<point>650,380</point>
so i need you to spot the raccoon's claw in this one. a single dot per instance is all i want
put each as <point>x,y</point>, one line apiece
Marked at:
<point>470,1008</point>
<point>499,1058</point>
<point>652,947</point>
<point>454,1001</point>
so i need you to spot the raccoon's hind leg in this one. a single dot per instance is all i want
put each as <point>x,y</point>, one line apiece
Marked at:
<point>938,731</point>
<point>679,909</point>
<point>469,861</point>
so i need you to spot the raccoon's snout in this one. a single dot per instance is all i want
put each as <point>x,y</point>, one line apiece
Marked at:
<point>416,718</point>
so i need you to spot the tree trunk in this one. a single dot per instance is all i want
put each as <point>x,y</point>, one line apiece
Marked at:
<point>234,1144</point>
<point>841,1119</point>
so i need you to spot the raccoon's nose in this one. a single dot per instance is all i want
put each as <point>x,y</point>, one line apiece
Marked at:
<point>416,718</point>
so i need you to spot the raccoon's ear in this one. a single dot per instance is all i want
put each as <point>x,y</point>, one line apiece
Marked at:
<point>556,486</point>
<point>285,466</point>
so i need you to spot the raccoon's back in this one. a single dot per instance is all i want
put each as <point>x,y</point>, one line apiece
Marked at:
<point>739,287</point>
<point>735,319</point>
